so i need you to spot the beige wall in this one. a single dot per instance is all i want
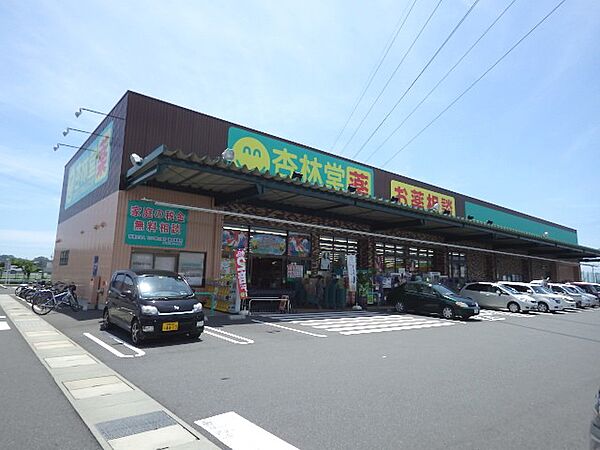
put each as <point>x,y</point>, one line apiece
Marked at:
<point>87,234</point>
<point>100,230</point>
<point>203,229</point>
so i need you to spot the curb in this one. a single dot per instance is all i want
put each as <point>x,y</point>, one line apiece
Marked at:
<point>118,414</point>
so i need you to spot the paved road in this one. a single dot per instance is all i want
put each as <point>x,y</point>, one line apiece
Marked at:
<point>356,381</point>
<point>34,414</point>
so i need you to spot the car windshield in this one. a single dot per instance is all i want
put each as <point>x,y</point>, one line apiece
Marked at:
<point>571,289</point>
<point>539,290</point>
<point>163,286</point>
<point>443,290</point>
<point>509,289</point>
<point>579,289</point>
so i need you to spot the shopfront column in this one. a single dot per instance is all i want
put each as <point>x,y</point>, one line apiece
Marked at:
<point>366,253</point>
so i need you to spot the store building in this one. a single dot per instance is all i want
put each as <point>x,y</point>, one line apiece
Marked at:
<point>297,212</point>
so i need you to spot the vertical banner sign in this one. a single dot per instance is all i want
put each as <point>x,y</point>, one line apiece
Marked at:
<point>90,169</point>
<point>240,273</point>
<point>351,266</point>
<point>155,226</point>
<point>256,151</point>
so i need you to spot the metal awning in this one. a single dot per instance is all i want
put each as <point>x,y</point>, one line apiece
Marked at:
<point>227,184</point>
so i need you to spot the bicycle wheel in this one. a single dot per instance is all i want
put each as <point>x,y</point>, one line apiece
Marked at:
<point>42,304</point>
<point>74,304</point>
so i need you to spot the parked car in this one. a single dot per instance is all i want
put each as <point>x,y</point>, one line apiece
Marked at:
<point>590,288</point>
<point>568,301</point>
<point>152,303</point>
<point>497,296</point>
<point>547,302</point>
<point>424,297</point>
<point>595,427</point>
<point>591,295</point>
<point>578,298</point>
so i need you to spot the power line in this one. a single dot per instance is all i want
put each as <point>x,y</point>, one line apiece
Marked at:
<point>442,79</point>
<point>392,75</point>
<point>399,27</point>
<point>476,81</point>
<point>456,27</point>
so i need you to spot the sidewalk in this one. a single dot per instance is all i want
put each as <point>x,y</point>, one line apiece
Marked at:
<point>118,414</point>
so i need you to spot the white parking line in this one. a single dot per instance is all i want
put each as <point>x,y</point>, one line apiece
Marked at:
<point>290,329</point>
<point>233,338</point>
<point>2,317</point>
<point>4,326</point>
<point>238,433</point>
<point>113,350</point>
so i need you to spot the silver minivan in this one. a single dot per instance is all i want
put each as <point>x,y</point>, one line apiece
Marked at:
<point>497,296</point>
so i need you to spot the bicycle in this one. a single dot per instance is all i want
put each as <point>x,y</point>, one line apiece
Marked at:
<point>45,300</point>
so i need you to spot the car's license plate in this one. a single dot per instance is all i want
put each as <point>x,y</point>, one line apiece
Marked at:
<point>170,326</point>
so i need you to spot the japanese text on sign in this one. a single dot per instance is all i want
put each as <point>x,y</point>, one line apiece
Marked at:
<point>260,152</point>
<point>240,272</point>
<point>418,197</point>
<point>151,225</point>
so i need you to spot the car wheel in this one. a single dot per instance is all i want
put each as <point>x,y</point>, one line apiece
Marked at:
<point>542,307</point>
<point>105,325</point>
<point>194,336</point>
<point>400,307</point>
<point>137,336</point>
<point>514,307</point>
<point>448,312</point>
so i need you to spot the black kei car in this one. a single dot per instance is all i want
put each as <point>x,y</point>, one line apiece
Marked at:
<point>595,427</point>
<point>152,303</point>
<point>424,297</point>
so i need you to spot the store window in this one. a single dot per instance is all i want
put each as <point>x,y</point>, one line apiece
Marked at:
<point>276,258</point>
<point>420,259</point>
<point>457,265</point>
<point>390,258</point>
<point>64,258</point>
<point>190,265</point>
<point>142,261</point>
<point>336,248</point>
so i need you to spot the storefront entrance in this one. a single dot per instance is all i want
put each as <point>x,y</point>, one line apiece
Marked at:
<point>266,272</point>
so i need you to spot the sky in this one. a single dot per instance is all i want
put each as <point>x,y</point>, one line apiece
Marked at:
<point>526,137</point>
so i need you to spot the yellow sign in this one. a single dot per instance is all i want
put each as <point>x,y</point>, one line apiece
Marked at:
<point>266,154</point>
<point>418,197</point>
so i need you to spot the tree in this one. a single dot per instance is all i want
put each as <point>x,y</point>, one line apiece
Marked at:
<point>26,265</point>
<point>41,262</point>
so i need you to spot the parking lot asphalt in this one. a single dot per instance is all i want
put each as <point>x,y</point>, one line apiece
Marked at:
<point>328,380</point>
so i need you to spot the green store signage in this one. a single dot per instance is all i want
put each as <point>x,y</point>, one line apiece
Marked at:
<point>155,226</point>
<point>90,170</point>
<point>277,157</point>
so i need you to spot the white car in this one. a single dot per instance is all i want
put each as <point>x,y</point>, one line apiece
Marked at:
<point>565,289</point>
<point>547,301</point>
<point>594,301</point>
<point>569,302</point>
<point>589,288</point>
<point>497,296</point>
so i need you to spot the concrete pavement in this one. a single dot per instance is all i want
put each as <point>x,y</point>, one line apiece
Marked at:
<point>505,381</point>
